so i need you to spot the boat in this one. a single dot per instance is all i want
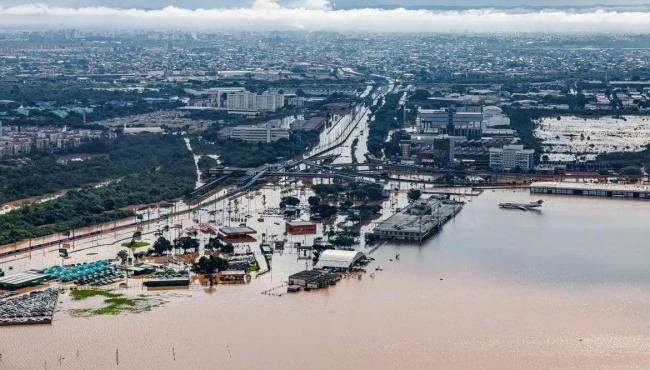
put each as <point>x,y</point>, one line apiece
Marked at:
<point>522,206</point>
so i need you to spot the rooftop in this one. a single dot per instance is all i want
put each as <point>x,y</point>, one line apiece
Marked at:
<point>336,258</point>
<point>21,278</point>
<point>591,186</point>
<point>232,230</point>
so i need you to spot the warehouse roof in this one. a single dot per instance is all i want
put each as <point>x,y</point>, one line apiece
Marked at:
<point>22,279</point>
<point>339,259</point>
<point>235,230</point>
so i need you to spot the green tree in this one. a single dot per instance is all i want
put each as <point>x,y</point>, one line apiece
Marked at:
<point>290,201</point>
<point>227,248</point>
<point>631,171</point>
<point>162,246</point>
<point>210,265</point>
<point>414,194</point>
<point>313,201</point>
<point>123,255</point>
<point>186,243</point>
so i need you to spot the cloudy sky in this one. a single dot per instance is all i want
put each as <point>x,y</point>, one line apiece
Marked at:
<point>335,15</point>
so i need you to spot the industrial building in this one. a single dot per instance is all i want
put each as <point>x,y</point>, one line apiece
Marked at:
<point>266,132</point>
<point>628,191</point>
<point>511,157</point>
<point>451,121</point>
<point>258,134</point>
<point>312,279</point>
<point>419,220</point>
<point>22,280</point>
<point>338,260</point>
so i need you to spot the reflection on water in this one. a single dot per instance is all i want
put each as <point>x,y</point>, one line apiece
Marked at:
<point>564,287</point>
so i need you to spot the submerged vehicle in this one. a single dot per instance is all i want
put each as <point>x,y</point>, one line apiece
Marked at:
<point>522,206</point>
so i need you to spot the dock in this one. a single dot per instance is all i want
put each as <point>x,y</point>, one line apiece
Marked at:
<point>419,220</point>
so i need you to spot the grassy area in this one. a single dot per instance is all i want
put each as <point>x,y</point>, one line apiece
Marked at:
<point>138,244</point>
<point>79,294</point>
<point>114,303</point>
<point>253,268</point>
<point>117,305</point>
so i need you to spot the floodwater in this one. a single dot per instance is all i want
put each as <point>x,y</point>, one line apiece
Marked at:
<point>568,286</point>
<point>573,137</point>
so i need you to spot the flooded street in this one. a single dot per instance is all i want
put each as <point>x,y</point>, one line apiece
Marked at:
<point>564,287</point>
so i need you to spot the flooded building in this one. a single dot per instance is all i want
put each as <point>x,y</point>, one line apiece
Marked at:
<point>419,220</point>
<point>300,227</point>
<point>629,191</point>
<point>338,260</point>
<point>22,280</point>
<point>237,234</point>
<point>312,279</point>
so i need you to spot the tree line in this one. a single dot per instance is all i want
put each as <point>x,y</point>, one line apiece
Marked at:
<point>169,174</point>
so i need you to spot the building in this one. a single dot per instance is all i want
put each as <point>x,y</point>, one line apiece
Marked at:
<point>22,280</point>
<point>250,101</point>
<point>419,220</point>
<point>628,191</point>
<point>258,134</point>
<point>511,157</point>
<point>300,227</point>
<point>166,282</point>
<point>451,121</point>
<point>312,279</point>
<point>234,234</point>
<point>443,151</point>
<point>312,124</point>
<point>435,150</point>
<point>267,132</point>
<point>338,260</point>
<point>405,148</point>
<point>234,276</point>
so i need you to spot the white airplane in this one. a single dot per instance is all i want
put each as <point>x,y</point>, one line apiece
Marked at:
<point>522,206</point>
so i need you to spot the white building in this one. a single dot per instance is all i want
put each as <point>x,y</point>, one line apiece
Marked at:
<point>512,156</point>
<point>257,134</point>
<point>266,132</point>
<point>340,260</point>
<point>249,101</point>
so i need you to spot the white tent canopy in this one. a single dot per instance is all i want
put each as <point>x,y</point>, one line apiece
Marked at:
<point>338,259</point>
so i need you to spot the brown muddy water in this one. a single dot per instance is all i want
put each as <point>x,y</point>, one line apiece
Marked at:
<point>567,287</point>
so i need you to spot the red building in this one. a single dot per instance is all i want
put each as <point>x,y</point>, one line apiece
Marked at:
<point>300,227</point>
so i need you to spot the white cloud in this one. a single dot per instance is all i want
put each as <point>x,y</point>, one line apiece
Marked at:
<point>317,15</point>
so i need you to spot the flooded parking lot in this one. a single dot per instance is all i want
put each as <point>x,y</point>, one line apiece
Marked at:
<point>571,137</point>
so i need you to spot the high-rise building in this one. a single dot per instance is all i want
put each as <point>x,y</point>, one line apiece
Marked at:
<point>405,148</point>
<point>512,157</point>
<point>250,101</point>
